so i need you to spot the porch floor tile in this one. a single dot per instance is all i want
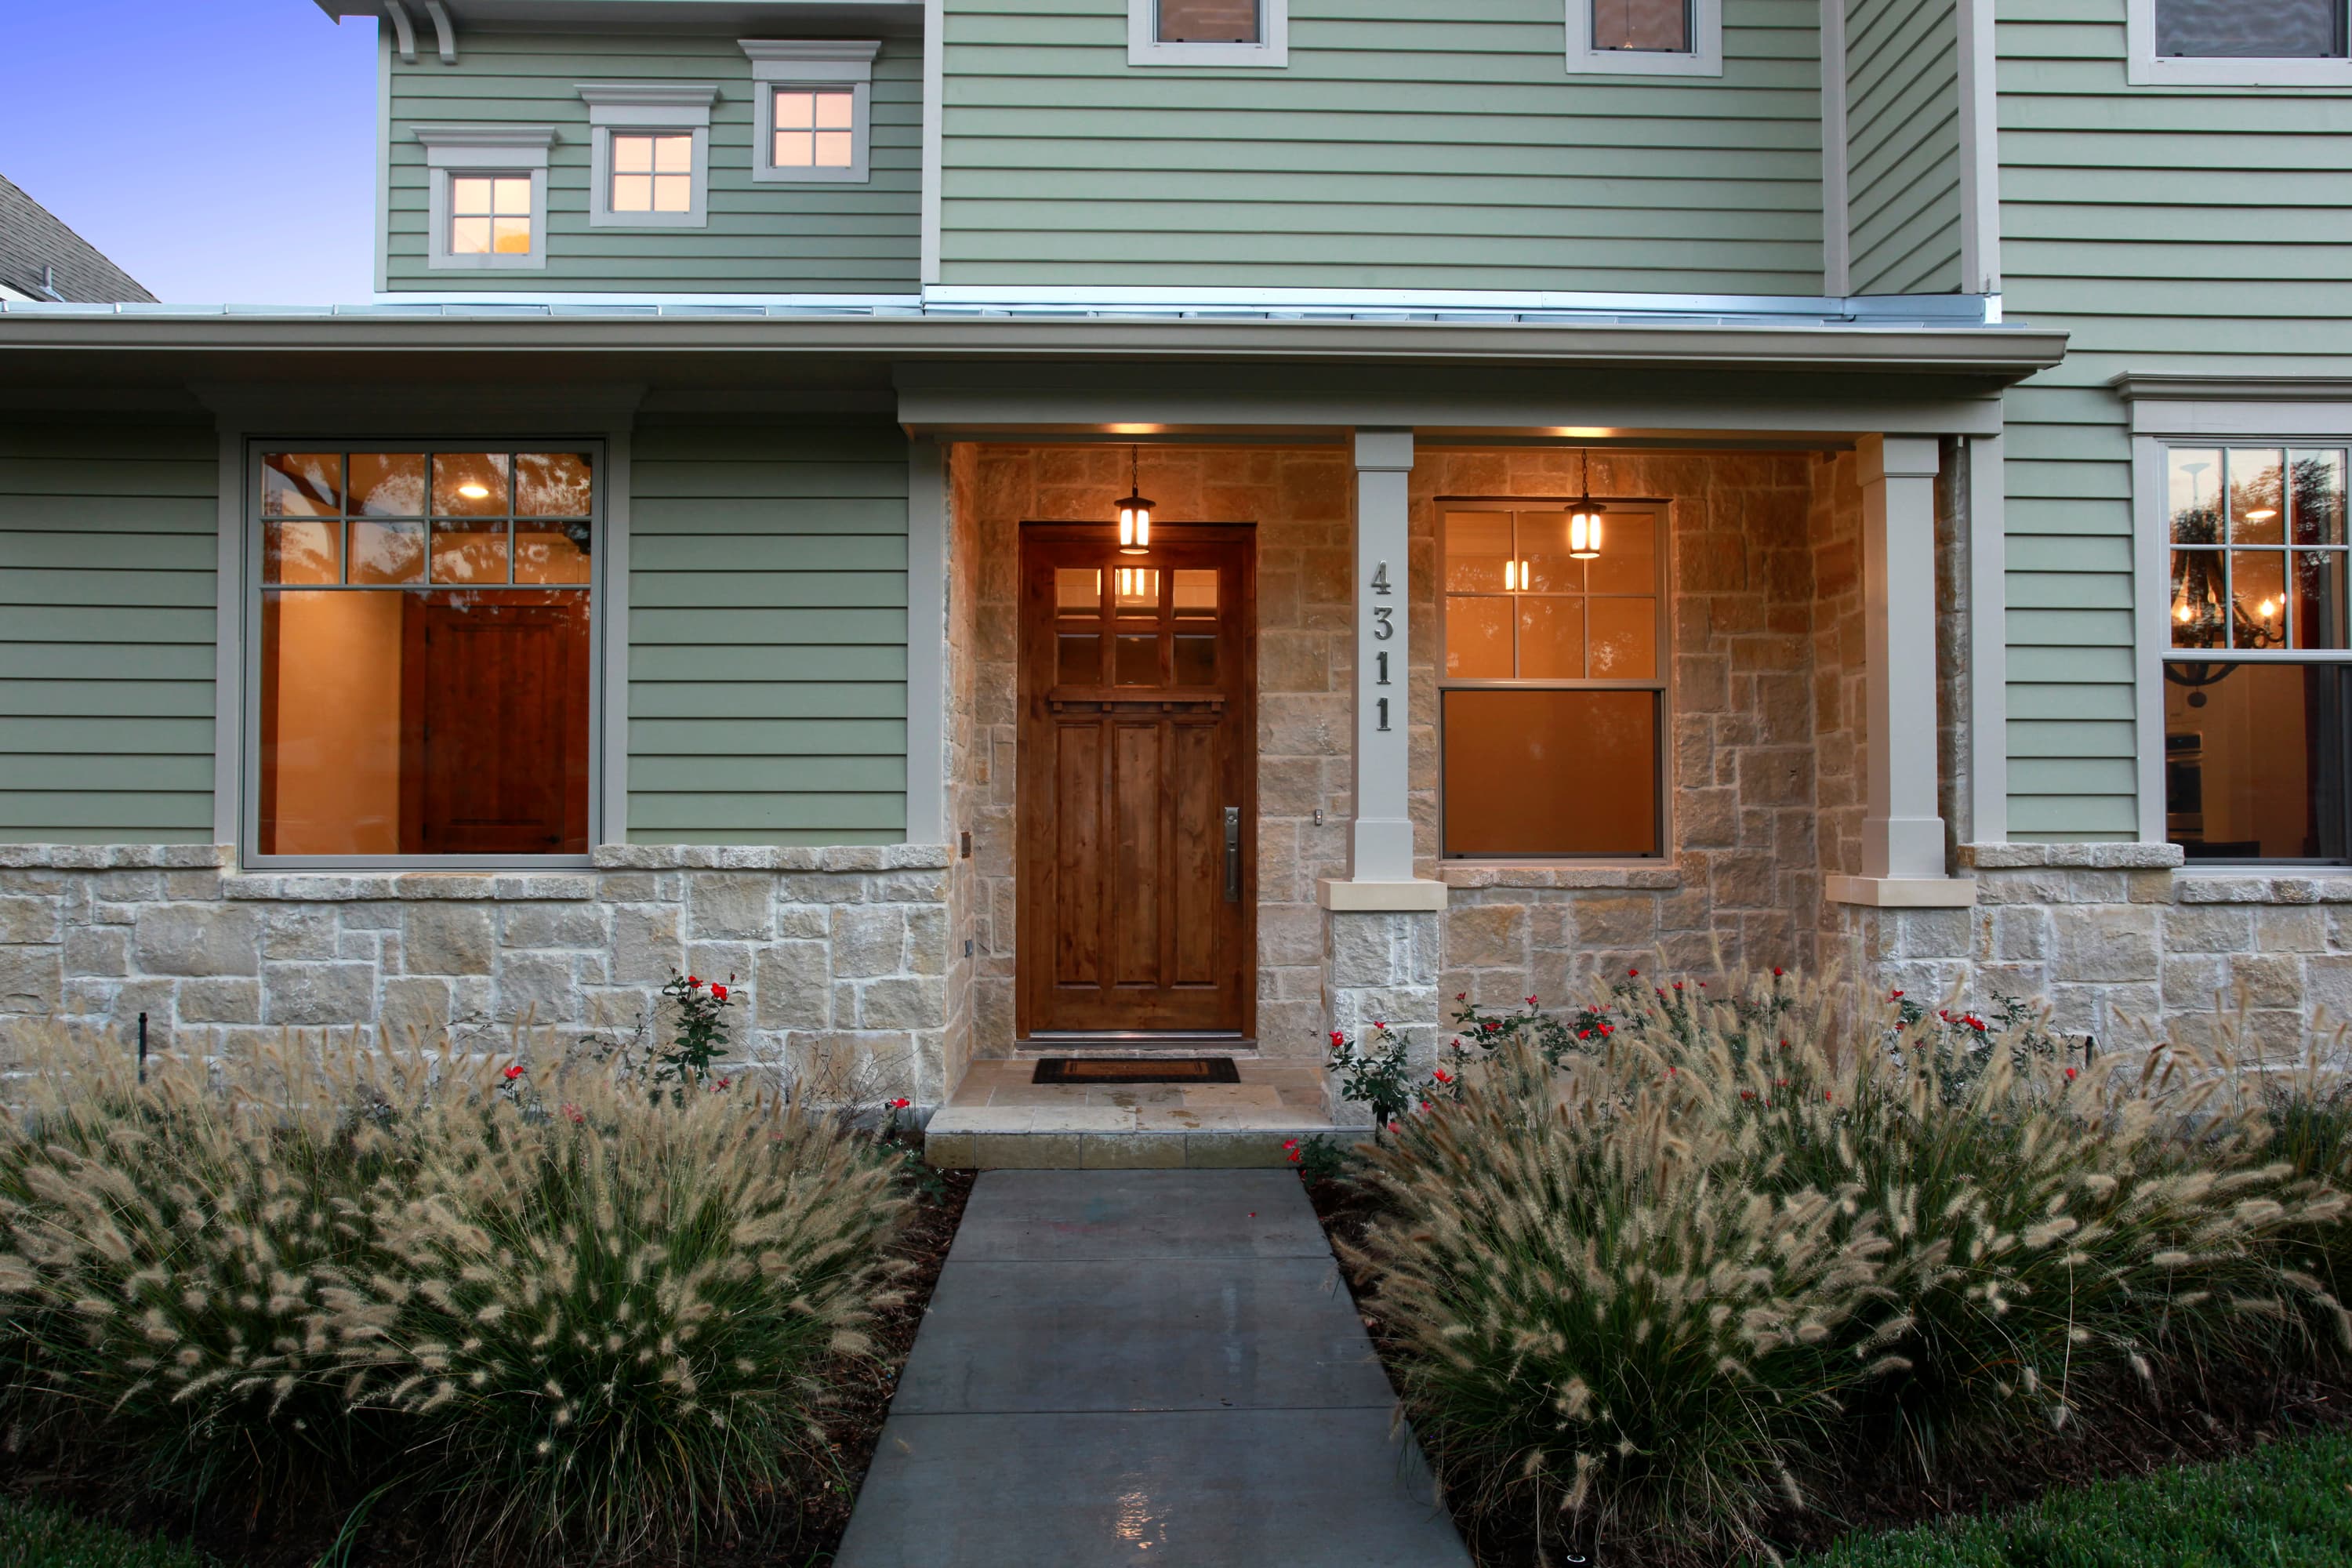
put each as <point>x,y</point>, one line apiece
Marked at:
<point>1161,1367</point>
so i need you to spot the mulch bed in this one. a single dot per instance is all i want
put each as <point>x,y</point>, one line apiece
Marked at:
<point>796,1532</point>
<point>2189,1425</point>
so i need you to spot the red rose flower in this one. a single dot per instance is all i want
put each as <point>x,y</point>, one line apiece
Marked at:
<point>1441,1076</point>
<point>514,1072</point>
<point>1633,974</point>
<point>719,992</point>
<point>2070,1075</point>
<point>1776,972</point>
<point>1531,1001</point>
<point>692,983</point>
<point>900,1104</point>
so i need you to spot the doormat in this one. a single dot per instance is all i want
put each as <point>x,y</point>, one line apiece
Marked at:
<point>1137,1070</point>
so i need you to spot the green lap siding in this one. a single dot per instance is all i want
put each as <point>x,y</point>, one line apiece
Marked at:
<point>1399,149</point>
<point>107,623</point>
<point>1903,146</point>
<point>762,238</point>
<point>2175,230</point>
<point>768,634</point>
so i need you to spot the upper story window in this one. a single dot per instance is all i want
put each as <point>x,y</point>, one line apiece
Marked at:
<point>649,165</point>
<point>2258,673</point>
<point>2240,43</point>
<point>1208,32</point>
<point>487,204</point>
<point>422,676</point>
<point>813,109</point>
<point>1645,38</point>
<point>1551,697</point>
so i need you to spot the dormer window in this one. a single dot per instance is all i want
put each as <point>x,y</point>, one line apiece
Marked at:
<point>650,163</point>
<point>489,215</point>
<point>1208,32</point>
<point>486,205</point>
<point>816,128</point>
<point>814,115</point>
<point>1645,38</point>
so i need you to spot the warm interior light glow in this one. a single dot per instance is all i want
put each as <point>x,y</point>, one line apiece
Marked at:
<point>472,491</point>
<point>1584,536</point>
<point>2267,608</point>
<point>2261,514</point>
<point>2183,613</point>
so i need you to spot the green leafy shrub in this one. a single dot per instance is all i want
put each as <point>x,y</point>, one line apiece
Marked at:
<point>1648,1266</point>
<point>40,1535</point>
<point>595,1320</point>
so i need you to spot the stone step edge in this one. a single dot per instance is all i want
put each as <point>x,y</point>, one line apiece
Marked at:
<point>1231,1149</point>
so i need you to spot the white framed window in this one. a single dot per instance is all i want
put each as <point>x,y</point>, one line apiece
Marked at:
<point>2239,43</point>
<point>1551,689</point>
<point>650,159</point>
<point>1645,38</point>
<point>486,205</point>
<point>2244,621</point>
<point>1208,33</point>
<point>421,652</point>
<point>812,108</point>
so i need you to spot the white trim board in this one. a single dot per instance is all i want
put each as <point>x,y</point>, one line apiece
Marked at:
<point>1837,233</point>
<point>1705,56</point>
<point>1979,61</point>
<point>934,80</point>
<point>2143,67</point>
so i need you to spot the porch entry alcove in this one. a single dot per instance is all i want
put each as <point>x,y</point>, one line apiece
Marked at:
<point>1138,763</point>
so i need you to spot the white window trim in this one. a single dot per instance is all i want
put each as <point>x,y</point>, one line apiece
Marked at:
<point>484,149</point>
<point>1270,51</point>
<point>659,107</point>
<point>2222,415</point>
<point>811,63</point>
<point>1704,58</point>
<point>2144,68</point>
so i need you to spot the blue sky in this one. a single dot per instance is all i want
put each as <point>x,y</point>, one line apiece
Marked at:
<point>221,151</point>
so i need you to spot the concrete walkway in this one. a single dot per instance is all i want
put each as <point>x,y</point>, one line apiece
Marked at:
<point>1154,1367</point>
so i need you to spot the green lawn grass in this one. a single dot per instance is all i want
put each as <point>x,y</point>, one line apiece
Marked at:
<point>36,1535</point>
<point>2282,1506</point>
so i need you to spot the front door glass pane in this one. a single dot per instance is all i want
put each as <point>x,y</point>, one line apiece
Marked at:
<point>413,699</point>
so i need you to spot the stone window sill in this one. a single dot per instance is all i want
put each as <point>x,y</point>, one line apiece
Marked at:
<point>2247,885</point>
<point>1643,876</point>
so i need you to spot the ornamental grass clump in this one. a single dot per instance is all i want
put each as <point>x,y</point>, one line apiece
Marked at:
<point>582,1319</point>
<point>1656,1268</point>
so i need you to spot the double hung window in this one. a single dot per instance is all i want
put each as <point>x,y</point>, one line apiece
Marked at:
<point>2258,673</point>
<point>1551,690</point>
<point>423,669</point>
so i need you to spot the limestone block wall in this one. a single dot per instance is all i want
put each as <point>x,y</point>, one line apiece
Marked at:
<point>2121,942</point>
<point>840,955</point>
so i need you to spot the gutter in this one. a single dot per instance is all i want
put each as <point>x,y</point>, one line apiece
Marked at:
<point>2007,353</point>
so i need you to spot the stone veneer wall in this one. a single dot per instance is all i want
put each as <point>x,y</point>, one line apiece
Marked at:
<point>840,955</point>
<point>1300,500</point>
<point>1759,544</point>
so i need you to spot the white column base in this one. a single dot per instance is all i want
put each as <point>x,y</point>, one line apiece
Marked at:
<point>1341,893</point>
<point>1902,892</point>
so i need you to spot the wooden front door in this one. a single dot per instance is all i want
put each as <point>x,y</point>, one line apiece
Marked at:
<point>1137,766</point>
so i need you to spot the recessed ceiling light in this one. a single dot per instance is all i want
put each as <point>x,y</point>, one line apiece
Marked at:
<point>472,491</point>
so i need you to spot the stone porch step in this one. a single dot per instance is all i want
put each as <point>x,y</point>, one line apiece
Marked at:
<point>1000,1120</point>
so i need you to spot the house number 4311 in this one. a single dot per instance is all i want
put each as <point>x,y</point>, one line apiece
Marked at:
<point>1383,628</point>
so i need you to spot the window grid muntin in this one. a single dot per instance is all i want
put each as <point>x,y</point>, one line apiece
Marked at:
<point>1663,718</point>
<point>830,126</point>
<point>668,171</point>
<point>512,516</point>
<point>2224,547</point>
<point>499,203</point>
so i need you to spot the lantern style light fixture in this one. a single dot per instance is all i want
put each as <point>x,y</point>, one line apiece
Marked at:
<point>1134,513</point>
<point>1584,520</point>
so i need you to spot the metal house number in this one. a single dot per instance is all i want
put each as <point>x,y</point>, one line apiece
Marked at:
<point>1383,628</point>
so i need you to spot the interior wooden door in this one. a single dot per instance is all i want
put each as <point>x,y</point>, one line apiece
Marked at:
<point>491,770</point>
<point>1138,763</point>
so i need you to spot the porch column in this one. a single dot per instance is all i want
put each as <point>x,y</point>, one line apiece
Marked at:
<point>1380,938</point>
<point>1903,835</point>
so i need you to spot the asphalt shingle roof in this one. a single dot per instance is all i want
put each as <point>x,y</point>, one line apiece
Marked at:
<point>32,238</point>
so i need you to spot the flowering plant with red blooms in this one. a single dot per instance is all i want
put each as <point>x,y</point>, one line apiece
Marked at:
<point>1377,1076</point>
<point>702,1039</point>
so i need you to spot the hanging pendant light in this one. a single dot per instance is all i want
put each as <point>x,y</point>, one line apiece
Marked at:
<point>1134,513</point>
<point>1584,520</point>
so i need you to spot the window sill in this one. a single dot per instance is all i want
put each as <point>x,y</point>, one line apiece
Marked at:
<point>2262,885</point>
<point>1637,876</point>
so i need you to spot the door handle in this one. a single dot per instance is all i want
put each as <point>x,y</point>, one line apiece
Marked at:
<point>1232,854</point>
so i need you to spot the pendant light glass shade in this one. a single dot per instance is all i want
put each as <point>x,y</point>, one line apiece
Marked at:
<point>1584,520</point>
<point>1134,514</point>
